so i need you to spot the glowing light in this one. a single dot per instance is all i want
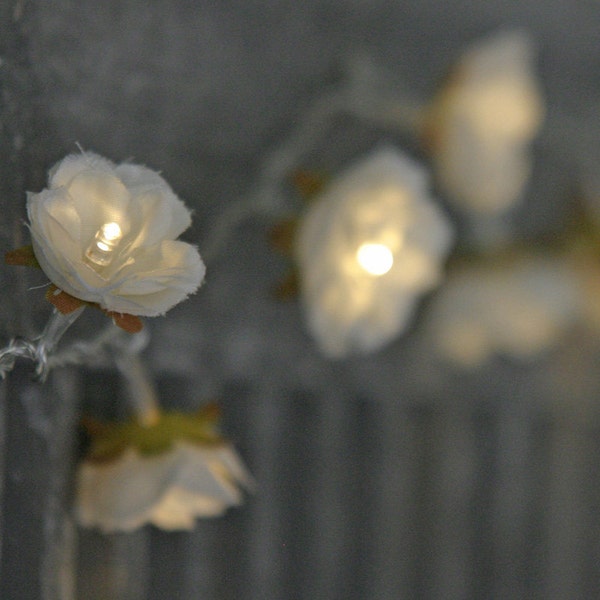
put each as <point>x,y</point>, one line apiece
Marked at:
<point>107,238</point>
<point>375,259</point>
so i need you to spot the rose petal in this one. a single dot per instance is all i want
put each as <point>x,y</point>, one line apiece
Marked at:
<point>160,279</point>
<point>63,172</point>
<point>156,219</point>
<point>169,490</point>
<point>55,225</point>
<point>146,186</point>
<point>98,198</point>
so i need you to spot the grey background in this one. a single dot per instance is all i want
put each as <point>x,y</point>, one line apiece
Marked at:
<point>387,477</point>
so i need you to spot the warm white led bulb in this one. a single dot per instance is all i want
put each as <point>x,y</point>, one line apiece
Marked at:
<point>375,259</point>
<point>107,238</point>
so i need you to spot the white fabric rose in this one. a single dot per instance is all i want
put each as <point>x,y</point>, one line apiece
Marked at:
<point>107,234</point>
<point>517,308</point>
<point>367,248</point>
<point>169,490</point>
<point>483,121</point>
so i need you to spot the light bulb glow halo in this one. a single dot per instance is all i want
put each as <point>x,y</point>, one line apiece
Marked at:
<point>375,258</point>
<point>111,231</point>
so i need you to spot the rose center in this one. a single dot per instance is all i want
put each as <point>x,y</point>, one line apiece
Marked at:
<point>102,249</point>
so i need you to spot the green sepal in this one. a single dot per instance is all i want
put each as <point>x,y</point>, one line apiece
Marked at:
<point>110,440</point>
<point>22,257</point>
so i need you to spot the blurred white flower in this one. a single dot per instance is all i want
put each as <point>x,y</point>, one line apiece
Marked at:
<point>169,490</point>
<point>367,248</point>
<point>517,308</point>
<point>107,234</point>
<point>482,122</point>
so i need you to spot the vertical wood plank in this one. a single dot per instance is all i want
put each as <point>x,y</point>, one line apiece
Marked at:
<point>113,566</point>
<point>59,553</point>
<point>3,450</point>
<point>395,531</point>
<point>565,511</point>
<point>266,566</point>
<point>513,502</point>
<point>454,474</point>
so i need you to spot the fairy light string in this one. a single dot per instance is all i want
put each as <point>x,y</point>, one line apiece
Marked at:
<point>365,92</point>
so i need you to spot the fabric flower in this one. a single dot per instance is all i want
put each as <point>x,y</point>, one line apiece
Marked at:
<point>366,249</point>
<point>106,234</point>
<point>518,308</point>
<point>167,474</point>
<point>482,122</point>
<point>168,490</point>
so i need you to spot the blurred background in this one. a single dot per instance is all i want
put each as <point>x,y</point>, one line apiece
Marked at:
<point>385,476</point>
